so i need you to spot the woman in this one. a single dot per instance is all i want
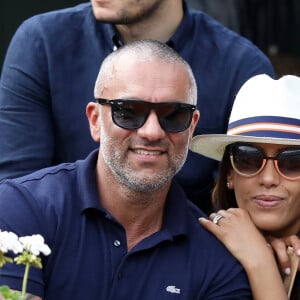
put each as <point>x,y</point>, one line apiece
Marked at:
<point>257,194</point>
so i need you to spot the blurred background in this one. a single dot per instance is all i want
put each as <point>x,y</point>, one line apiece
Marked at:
<point>273,25</point>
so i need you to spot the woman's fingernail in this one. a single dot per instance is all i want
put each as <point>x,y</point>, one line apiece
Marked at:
<point>287,271</point>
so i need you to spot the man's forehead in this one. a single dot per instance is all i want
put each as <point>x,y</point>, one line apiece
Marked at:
<point>150,85</point>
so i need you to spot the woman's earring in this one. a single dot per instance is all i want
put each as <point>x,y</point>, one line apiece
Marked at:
<point>228,185</point>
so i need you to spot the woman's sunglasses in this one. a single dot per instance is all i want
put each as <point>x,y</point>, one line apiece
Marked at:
<point>248,160</point>
<point>132,114</point>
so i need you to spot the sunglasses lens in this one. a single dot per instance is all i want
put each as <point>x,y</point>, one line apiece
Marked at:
<point>247,160</point>
<point>173,117</point>
<point>129,114</point>
<point>289,163</point>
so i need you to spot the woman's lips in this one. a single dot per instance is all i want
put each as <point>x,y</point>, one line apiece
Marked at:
<point>268,201</point>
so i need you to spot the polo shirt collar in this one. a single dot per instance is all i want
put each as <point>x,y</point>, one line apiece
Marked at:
<point>86,183</point>
<point>114,38</point>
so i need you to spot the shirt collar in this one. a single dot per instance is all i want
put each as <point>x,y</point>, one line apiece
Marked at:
<point>114,37</point>
<point>86,183</point>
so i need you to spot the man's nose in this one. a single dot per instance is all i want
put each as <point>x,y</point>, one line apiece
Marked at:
<point>151,129</point>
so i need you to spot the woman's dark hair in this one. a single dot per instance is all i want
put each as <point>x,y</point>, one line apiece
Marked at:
<point>222,197</point>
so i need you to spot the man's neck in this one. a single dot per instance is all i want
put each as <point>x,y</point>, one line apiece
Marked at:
<point>141,214</point>
<point>160,26</point>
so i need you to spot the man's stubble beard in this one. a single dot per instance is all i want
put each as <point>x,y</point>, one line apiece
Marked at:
<point>123,172</point>
<point>124,17</point>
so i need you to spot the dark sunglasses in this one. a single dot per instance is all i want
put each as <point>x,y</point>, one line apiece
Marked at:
<point>248,160</point>
<point>132,114</point>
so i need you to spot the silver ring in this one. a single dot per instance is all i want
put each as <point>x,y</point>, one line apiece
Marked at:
<point>217,218</point>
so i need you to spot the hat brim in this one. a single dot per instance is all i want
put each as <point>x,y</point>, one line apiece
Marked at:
<point>213,145</point>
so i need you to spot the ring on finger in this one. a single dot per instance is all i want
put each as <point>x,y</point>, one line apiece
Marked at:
<point>217,218</point>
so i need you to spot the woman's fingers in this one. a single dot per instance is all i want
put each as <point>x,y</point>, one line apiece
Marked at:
<point>280,246</point>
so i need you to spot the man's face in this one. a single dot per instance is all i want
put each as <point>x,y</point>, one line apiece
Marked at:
<point>124,11</point>
<point>146,158</point>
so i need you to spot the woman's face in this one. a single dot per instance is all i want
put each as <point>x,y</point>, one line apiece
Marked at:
<point>272,201</point>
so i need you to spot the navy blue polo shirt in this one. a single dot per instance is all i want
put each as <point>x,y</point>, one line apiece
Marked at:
<point>89,258</point>
<point>49,74</point>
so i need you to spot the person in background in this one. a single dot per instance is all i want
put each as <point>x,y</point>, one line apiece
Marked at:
<point>53,58</point>
<point>258,189</point>
<point>117,224</point>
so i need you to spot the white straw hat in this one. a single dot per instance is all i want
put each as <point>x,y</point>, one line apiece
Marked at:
<point>265,111</point>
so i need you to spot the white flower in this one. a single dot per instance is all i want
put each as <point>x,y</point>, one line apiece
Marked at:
<point>9,242</point>
<point>35,244</point>
<point>29,248</point>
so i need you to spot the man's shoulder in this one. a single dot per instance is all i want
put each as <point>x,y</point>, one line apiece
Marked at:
<point>211,30</point>
<point>208,253</point>
<point>62,20</point>
<point>64,175</point>
<point>43,180</point>
<point>222,48</point>
<point>79,10</point>
<point>200,236</point>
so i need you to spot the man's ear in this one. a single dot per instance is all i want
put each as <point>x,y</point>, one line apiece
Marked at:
<point>92,113</point>
<point>195,119</point>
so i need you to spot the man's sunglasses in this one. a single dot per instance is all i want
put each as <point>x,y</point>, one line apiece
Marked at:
<point>132,114</point>
<point>248,160</point>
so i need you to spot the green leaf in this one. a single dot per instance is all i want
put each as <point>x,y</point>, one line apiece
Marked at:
<point>29,258</point>
<point>4,259</point>
<point>8,294</point>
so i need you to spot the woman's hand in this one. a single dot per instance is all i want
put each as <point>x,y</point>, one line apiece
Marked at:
<point>239,234</point>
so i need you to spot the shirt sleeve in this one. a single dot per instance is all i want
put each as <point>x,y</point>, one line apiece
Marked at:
<point>26,126</point>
